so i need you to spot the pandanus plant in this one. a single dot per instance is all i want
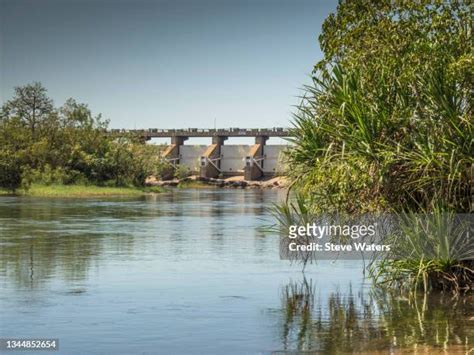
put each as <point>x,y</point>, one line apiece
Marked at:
<point>388,149</point>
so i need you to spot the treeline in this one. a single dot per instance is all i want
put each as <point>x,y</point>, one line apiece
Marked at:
<point>40,143</point>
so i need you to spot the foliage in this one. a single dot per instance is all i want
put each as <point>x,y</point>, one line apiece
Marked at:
<point>10,171</point>
<point>387,123</point>
<point>66,145</point>
<point>354,154</point>
<point>30,106</point>
<point>428,251</point>
<point>395,41</point>
<point>181,172</point>
<point>292,213</point>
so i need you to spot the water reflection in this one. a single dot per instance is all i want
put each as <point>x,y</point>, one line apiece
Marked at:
<point>298,303</point>
<point>347,322</point>
<point>42,239</point>
<point>192,269</point>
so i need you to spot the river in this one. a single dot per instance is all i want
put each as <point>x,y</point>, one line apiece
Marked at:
<point>191,271</point>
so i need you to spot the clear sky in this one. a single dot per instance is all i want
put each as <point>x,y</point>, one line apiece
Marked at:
<point>165,64</point>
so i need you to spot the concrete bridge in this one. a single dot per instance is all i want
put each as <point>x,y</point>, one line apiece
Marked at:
<point>216,159</point>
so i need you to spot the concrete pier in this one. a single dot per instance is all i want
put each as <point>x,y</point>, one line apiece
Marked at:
<point>255,159</point>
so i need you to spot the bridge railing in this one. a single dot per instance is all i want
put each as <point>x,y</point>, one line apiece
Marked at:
<point>211,131</point>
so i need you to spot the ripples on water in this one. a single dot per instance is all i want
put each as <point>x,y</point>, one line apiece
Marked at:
<point>190,271</point>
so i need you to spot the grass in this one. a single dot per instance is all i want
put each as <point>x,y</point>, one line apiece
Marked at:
<point>79,191</point>
<point>430,251</point>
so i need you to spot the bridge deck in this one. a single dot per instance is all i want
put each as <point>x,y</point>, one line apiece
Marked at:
<point>198,132</point>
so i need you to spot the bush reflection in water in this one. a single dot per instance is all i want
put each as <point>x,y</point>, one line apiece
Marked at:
<point>376,321</point>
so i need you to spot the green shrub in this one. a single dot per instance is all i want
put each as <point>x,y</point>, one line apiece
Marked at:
<point>181,172</point>
<point>10,171</point>
<point>67,145</point>
<point>387,125</point>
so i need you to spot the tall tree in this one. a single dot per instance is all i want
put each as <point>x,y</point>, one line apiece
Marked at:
<point>399,41</point>
<point>30,105</point>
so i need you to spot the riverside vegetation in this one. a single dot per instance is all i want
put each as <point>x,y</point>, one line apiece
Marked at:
<point>66,151</point>
<point>387,126</point>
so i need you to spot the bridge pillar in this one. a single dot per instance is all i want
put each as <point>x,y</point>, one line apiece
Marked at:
<point>210,160</point>
<point>261,140</point>
<point>219,140</point>
<point>176,143</point>
<point>254,161</point>
<point>172,154</point>
<point>178,140</point>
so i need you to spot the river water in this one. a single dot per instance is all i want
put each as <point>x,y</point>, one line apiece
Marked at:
<point>191,271</point>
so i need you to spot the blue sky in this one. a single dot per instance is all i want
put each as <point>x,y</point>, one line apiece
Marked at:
<point>165,64</point>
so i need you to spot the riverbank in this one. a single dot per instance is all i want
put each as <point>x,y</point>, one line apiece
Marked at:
<point>236,182</point>
<point>79,191</point>
<point>152,186</point>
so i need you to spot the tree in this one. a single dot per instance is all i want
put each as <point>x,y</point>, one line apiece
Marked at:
<point>40,143</point>
<point>397,41</point>
<point>10,170</point>
<point>30,105</point>
<point>74,114</point>
<point>387,123</point>
<point>14,140</point>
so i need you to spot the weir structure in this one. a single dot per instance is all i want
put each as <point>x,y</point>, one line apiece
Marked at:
<point>219,160</point>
